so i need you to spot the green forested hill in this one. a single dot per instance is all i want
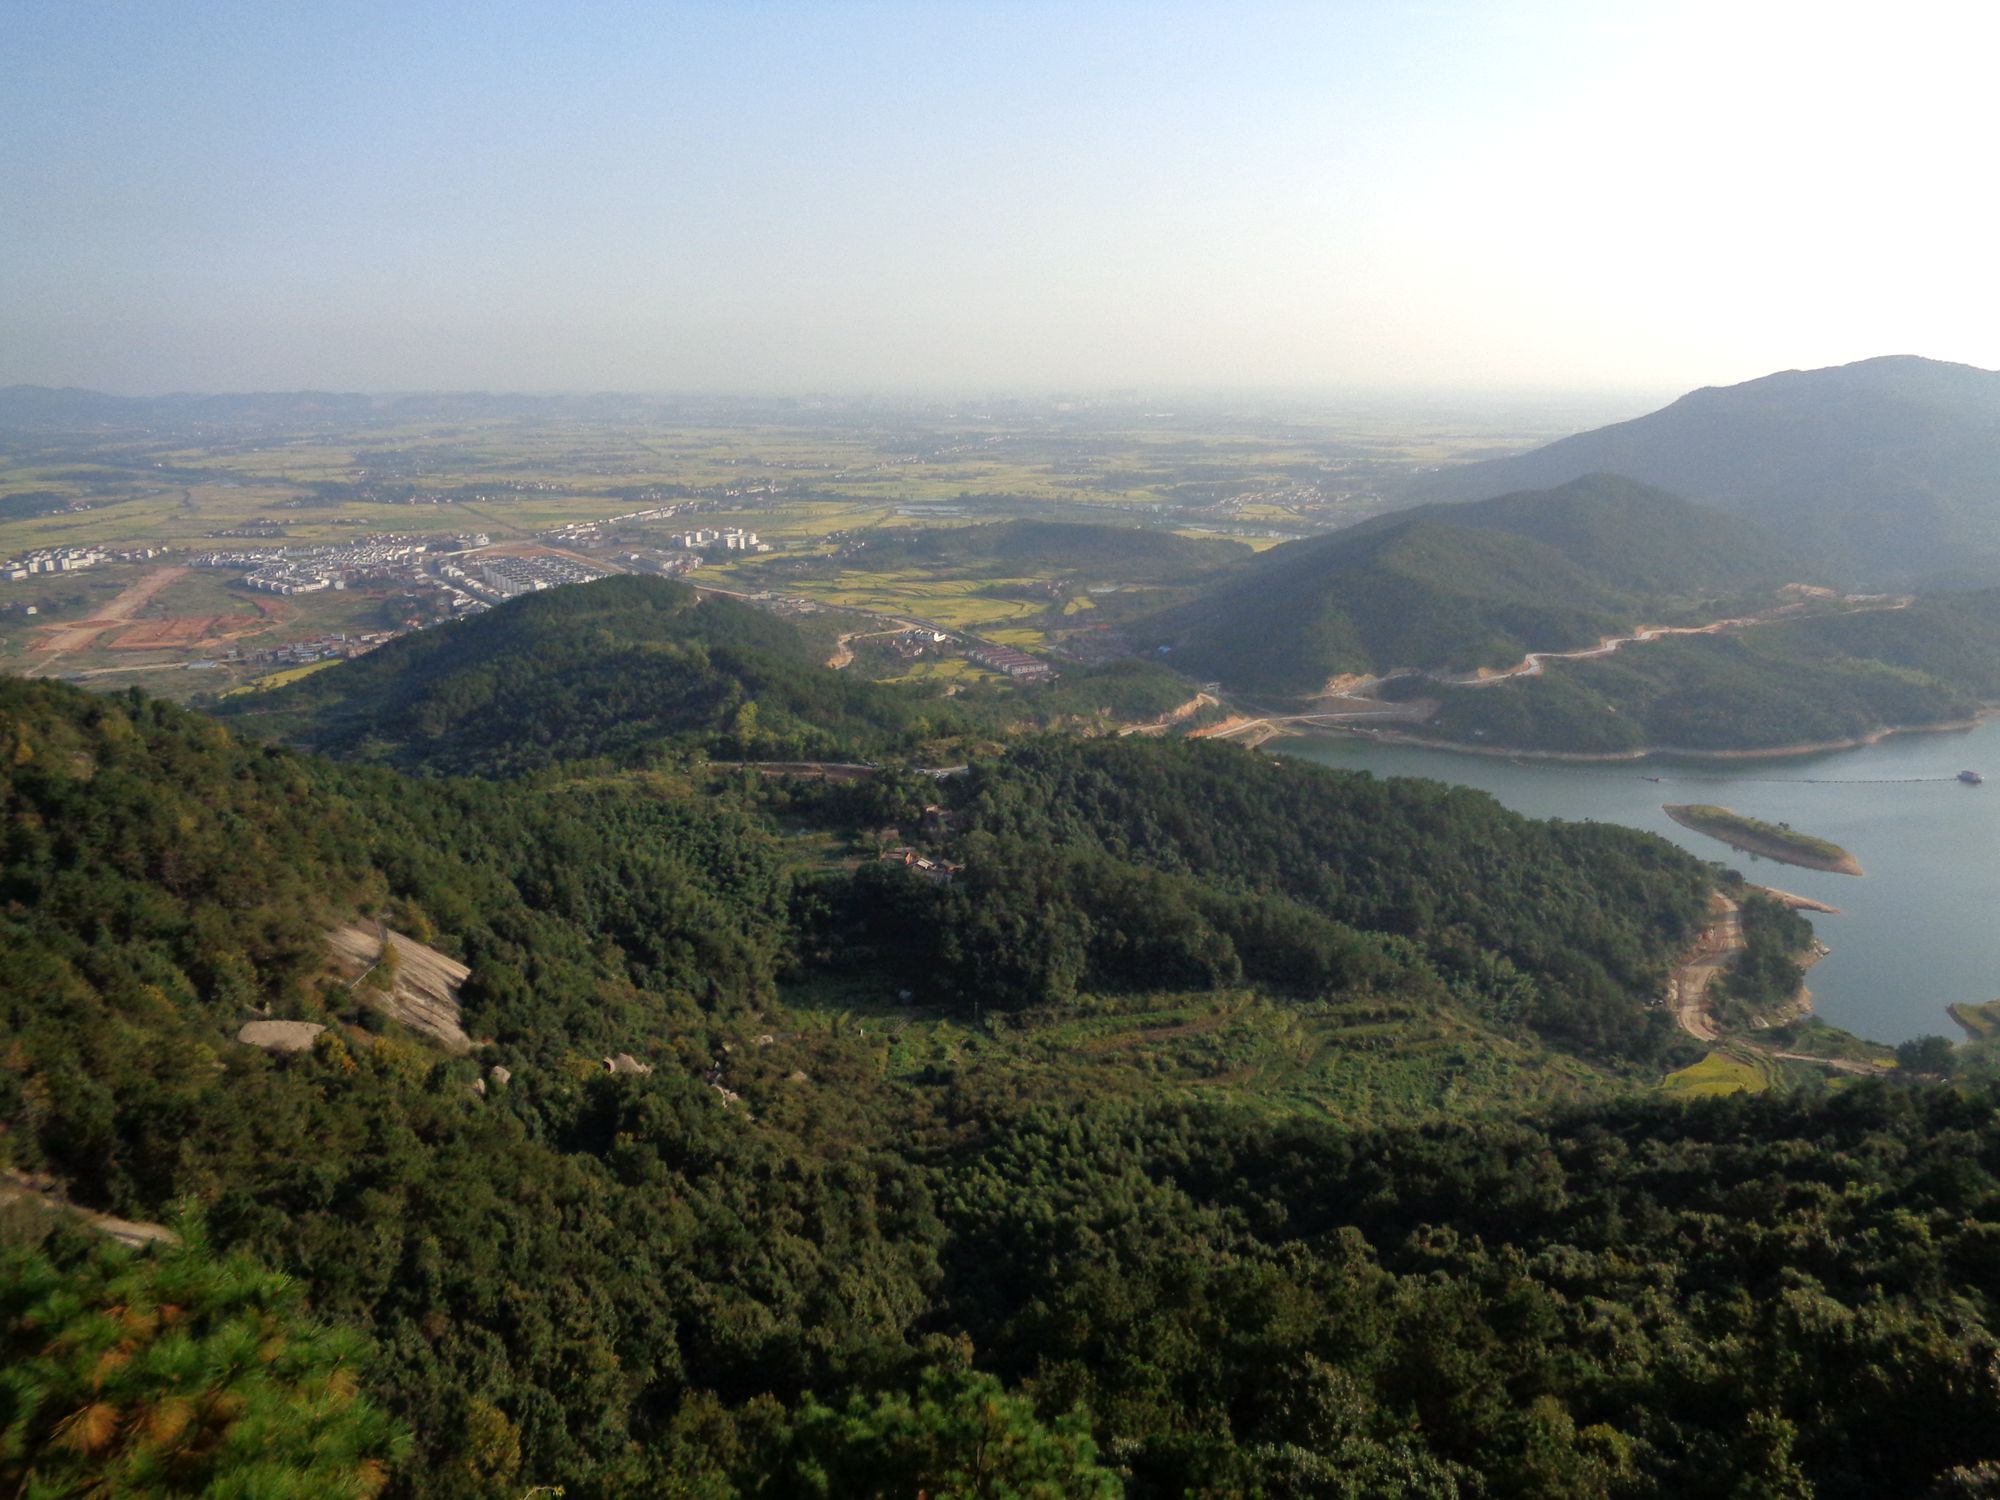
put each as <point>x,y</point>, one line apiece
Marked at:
<point>872,1274</point>
<point>1458,587</point>
<point>1630,536</point>
<point>1303,873</point>
<point>1886,470</point>
<point>607,669</point>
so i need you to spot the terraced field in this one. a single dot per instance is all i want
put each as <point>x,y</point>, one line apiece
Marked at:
<point>1354,1061</point>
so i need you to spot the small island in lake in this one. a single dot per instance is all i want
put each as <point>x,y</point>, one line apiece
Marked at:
<point>1771,840</point>
<point>1980,1021</point>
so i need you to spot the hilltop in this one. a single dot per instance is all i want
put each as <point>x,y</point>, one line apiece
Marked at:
<point>615,668</point>
<point>1886,471</point>
<point>1459,587</point>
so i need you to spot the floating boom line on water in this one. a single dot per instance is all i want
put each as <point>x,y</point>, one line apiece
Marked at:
<point>1809,780</point>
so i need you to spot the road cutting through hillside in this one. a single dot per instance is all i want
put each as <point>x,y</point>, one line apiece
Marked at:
<point>1715,949</point>
<point>1356,691</point>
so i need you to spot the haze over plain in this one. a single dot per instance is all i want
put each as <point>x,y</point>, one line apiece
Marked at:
<point>1556,195</point>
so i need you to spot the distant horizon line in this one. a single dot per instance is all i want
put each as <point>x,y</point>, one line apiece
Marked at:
<point>860,393</point>
<point>1539,391</point>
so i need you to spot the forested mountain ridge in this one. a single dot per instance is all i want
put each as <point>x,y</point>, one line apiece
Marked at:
<point>625,1283</point>
<point>1886,471</point>
<point>1456,587</point>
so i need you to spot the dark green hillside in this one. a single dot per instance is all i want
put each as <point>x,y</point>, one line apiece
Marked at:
<point>1628,535</point>
<point>1268,851</point>
<point>1454,587</point>
<point>876,1274</point>
<point>613,668</point>
<point>1429,595</point>
<point>1814,679</point>
<point>1887,470</point>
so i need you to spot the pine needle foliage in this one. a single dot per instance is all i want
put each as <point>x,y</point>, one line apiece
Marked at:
<point>174,1372</point>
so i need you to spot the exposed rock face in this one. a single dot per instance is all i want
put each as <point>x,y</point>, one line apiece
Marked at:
<point>500,1076</point>
<point>625,1062</point>
<point>424,994</point>
<point>281,1037</point>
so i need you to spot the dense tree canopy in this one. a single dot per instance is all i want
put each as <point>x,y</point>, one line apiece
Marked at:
<point>773,1264</point>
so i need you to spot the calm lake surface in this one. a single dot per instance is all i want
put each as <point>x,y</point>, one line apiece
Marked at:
<point>1918,931</point>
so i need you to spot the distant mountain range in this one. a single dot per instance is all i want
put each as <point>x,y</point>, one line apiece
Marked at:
<point>1456,587</point>
<point>1887,471</point>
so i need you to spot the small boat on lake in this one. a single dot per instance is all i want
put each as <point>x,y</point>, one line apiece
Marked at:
<point>1971,778</point>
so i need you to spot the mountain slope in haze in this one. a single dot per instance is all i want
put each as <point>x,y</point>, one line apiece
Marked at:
<point>1887,470</point>
<point>609,668</point>
<point>1455,587</point>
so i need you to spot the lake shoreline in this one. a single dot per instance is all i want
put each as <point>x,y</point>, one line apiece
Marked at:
<point>1913,937</point>
<point>1644,752</point>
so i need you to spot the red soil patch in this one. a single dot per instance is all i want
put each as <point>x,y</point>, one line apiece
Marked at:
<point>177,630</point>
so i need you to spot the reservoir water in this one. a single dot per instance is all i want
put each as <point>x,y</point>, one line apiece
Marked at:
<point>1918,931</point>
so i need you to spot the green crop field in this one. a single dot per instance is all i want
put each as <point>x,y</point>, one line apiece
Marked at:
<point>1721,1073</point>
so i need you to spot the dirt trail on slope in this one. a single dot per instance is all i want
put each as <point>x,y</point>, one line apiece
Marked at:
<point>843,651</point>
<point>1531,665</point>
<point>1857,1066</point>
<point>47,1192</point>
<point>1347,699</point>
<point>1171,717</point>
<point>1715,949</point>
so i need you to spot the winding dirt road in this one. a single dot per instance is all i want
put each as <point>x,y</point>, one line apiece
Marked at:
<point>1355,692</point>
<point>1715,949</point>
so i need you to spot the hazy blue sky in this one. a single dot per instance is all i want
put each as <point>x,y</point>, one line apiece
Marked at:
<point>1550,194</point>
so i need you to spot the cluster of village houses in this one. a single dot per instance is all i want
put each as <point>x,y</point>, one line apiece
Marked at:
<point>325,648</point>
<point>312,570</point>
<point>512,576</point>
<point>729,539</point>
<point>68,560</point>
<point>939,871</point>
<point>576,532</point>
